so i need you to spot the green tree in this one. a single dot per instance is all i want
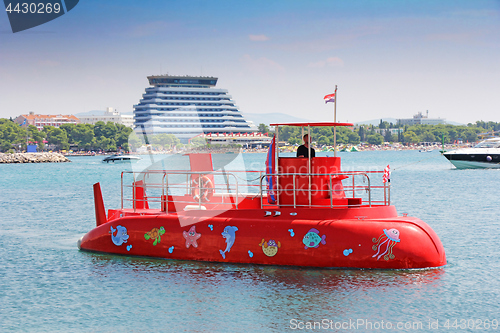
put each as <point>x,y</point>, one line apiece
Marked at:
<point>353,138</point>
<point>99,129</point>
<point>263,128</point>
<point>428,137</point>
<point>383,124</point>
<point>342,135</point>
<point>388,137</point>
<point>362,133</point>
<point>122,134</point>
<point>198,141</point>
<point>80,135</point>
<point>59,138</point>
<point>375,139</point>
<point>36,137</point>
<point>410,137</point>
<point>109,130</point>
<point>11,134</point>
<point>106,144</point>
<point>323,140</point>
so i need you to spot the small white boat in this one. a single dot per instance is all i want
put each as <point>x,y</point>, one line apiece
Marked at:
<point>120,159</point>
<point>485,155</point>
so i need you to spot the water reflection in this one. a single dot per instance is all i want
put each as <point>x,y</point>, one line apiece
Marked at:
<point>272,295</point>
<point>300,280</point>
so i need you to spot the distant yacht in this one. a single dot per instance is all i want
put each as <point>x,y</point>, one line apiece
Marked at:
<point>187,106</point>
<point>117,158</point>
<point>485,155</point>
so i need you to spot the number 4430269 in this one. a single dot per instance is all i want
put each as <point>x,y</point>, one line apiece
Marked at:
<point>471,324</point>
<point>34,8</point>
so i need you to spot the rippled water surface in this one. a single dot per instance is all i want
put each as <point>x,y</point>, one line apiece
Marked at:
<point>47,285</point>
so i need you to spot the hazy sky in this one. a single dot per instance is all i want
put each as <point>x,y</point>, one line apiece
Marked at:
<point>388,58</point>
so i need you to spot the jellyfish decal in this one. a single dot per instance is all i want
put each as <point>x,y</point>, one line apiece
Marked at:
<point>391,237</point>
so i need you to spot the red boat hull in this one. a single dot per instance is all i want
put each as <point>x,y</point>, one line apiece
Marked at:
<point>361,237</point>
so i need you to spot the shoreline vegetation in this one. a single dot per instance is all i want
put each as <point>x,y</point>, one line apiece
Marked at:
<point>105,138</point>
<point>56,157</point>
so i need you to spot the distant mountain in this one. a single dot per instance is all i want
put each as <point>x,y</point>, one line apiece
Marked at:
<point>271,118</point>
<point>98,113</point>
<point>90,113</point>
<point>454,123</point>
<point>376,122</point>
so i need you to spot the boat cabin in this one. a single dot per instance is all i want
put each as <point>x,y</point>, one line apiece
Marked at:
<point>293,182</point>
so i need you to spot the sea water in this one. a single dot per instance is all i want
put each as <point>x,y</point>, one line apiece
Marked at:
<point>48,285</point>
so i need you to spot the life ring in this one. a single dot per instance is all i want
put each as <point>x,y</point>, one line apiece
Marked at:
<point>202,188</point>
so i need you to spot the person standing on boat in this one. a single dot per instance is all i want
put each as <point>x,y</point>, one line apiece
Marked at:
<point>303,150</point>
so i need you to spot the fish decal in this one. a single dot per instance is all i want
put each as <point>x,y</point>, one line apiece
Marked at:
<point>312,239</point>
<point>229,234</point>
<point>121,235</point>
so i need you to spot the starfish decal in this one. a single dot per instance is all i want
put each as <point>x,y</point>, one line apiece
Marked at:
<point>191,236</point>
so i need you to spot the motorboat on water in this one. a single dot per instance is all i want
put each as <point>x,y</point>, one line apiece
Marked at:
<point>485,155</point>
<point>118,158</point>
<point>297,212</point>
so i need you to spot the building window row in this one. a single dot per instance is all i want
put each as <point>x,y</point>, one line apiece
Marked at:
<point>181,86</point>
<point>210,104</point>
<point>192,98</point>
<point>187,114</point>
<point>137,107</point>
<point>143,102</point>
<point>187,92</point>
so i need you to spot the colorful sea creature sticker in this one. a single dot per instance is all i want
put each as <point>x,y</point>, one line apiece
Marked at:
<point>191,236</point>
<point>391,237</point>
<point>291,232</point>
<point>270,248</point>
<point>155,234</point>
<point>129,247</point>
<point>229,234</point>
<point>121,235</point>
<point>312,239</point>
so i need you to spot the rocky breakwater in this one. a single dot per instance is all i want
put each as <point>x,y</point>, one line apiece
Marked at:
<point>33,158</point>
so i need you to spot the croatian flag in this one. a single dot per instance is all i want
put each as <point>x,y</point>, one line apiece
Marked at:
<point>387,175</point>
<point>270,170</point>
<point>329,98</point>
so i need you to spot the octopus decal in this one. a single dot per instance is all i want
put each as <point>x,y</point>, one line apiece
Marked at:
<point>391,237</point>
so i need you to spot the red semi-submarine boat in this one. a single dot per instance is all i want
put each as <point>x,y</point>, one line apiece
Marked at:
<point>298,212</point>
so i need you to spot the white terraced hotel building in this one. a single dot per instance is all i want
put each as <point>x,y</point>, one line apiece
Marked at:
<point>187,106</point>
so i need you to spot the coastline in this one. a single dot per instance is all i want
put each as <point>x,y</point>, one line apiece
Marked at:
<point>33,158</point>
